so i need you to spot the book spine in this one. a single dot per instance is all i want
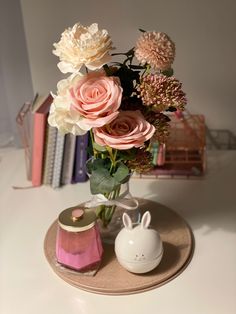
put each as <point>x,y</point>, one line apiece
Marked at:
<point>39,129</point>
<point>68,160</point>
<point>51,136</point>
<point>38,147</point>
<point>80,173</point>
<point>57,168</point>
<point>23,120</point>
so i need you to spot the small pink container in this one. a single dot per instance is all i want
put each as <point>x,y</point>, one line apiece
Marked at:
<point>78,243</point>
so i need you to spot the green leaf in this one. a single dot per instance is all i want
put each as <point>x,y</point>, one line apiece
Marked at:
<point>99,147</point>
<point>107,70</point>
<point>122,173</point>
<point>98,163</point>
<point>126,77</point>
<point>101,181</point>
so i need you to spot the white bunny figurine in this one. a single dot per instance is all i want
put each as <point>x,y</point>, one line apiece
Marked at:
<point>138,249</point>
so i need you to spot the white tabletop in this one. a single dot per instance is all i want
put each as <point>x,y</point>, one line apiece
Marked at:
<point>208,285</point>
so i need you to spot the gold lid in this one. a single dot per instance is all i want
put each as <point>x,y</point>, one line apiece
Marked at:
<point>77,219</point>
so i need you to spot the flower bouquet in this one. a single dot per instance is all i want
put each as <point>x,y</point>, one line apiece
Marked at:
<point>122,104</point>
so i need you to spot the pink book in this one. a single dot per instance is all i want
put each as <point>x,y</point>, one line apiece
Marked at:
<point>39,130</point>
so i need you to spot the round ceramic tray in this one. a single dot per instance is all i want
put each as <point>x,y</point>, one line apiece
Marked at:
<point>111,278</point>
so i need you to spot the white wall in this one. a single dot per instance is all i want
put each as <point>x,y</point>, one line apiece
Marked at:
<point>15,77</point>
<point>204,33</point>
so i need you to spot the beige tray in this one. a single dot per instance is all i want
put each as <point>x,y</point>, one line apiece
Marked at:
<point>112,279</point>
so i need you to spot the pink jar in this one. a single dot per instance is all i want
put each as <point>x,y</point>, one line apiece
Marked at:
<point>78,243</point>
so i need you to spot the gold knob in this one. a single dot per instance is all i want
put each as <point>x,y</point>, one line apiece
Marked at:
<point>77,214</point>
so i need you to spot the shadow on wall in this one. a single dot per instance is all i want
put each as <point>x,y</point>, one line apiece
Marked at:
<point>220,139</point>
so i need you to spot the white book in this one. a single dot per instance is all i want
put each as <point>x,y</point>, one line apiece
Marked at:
<point>51,137</point>
<point>57,168</point>
<point>68,160</point>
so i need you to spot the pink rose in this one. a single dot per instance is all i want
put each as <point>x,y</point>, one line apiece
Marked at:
<point>129,129</point>
<point>96,98</point>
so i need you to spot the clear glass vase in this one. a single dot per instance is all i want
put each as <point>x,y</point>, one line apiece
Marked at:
<point>110,208</point>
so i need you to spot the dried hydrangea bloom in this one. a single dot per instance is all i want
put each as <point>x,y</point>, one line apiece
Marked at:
<point>161,123</point>
<point>83,45</point>
<point>161,92</point>
<point>156,49</point>
<point>142,162</point>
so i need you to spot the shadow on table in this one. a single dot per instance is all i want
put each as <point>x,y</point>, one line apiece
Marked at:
<point>209,202</point>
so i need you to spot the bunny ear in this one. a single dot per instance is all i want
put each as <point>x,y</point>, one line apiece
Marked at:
<point>146,219</point>
<point>127,221</point>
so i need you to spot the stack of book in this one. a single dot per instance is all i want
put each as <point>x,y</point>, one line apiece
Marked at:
<point>53,158</point>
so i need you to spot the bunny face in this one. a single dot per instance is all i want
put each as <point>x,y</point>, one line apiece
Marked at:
<point>138,249</point>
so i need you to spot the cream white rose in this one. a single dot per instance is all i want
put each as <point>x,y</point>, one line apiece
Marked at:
<point>83,45</point>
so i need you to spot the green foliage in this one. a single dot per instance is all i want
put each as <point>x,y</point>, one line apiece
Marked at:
<point>94,164</point>
<point>102,180</point>
<point>99,148</point>
<point>107,70</point>
<point>127,76</point>
<point>122,173</point>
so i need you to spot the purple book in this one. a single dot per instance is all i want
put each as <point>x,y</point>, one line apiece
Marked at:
<point>81,155</point>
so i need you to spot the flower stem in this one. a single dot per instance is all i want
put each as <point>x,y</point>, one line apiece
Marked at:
<point>95,154</point>
<point>113,158</point>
